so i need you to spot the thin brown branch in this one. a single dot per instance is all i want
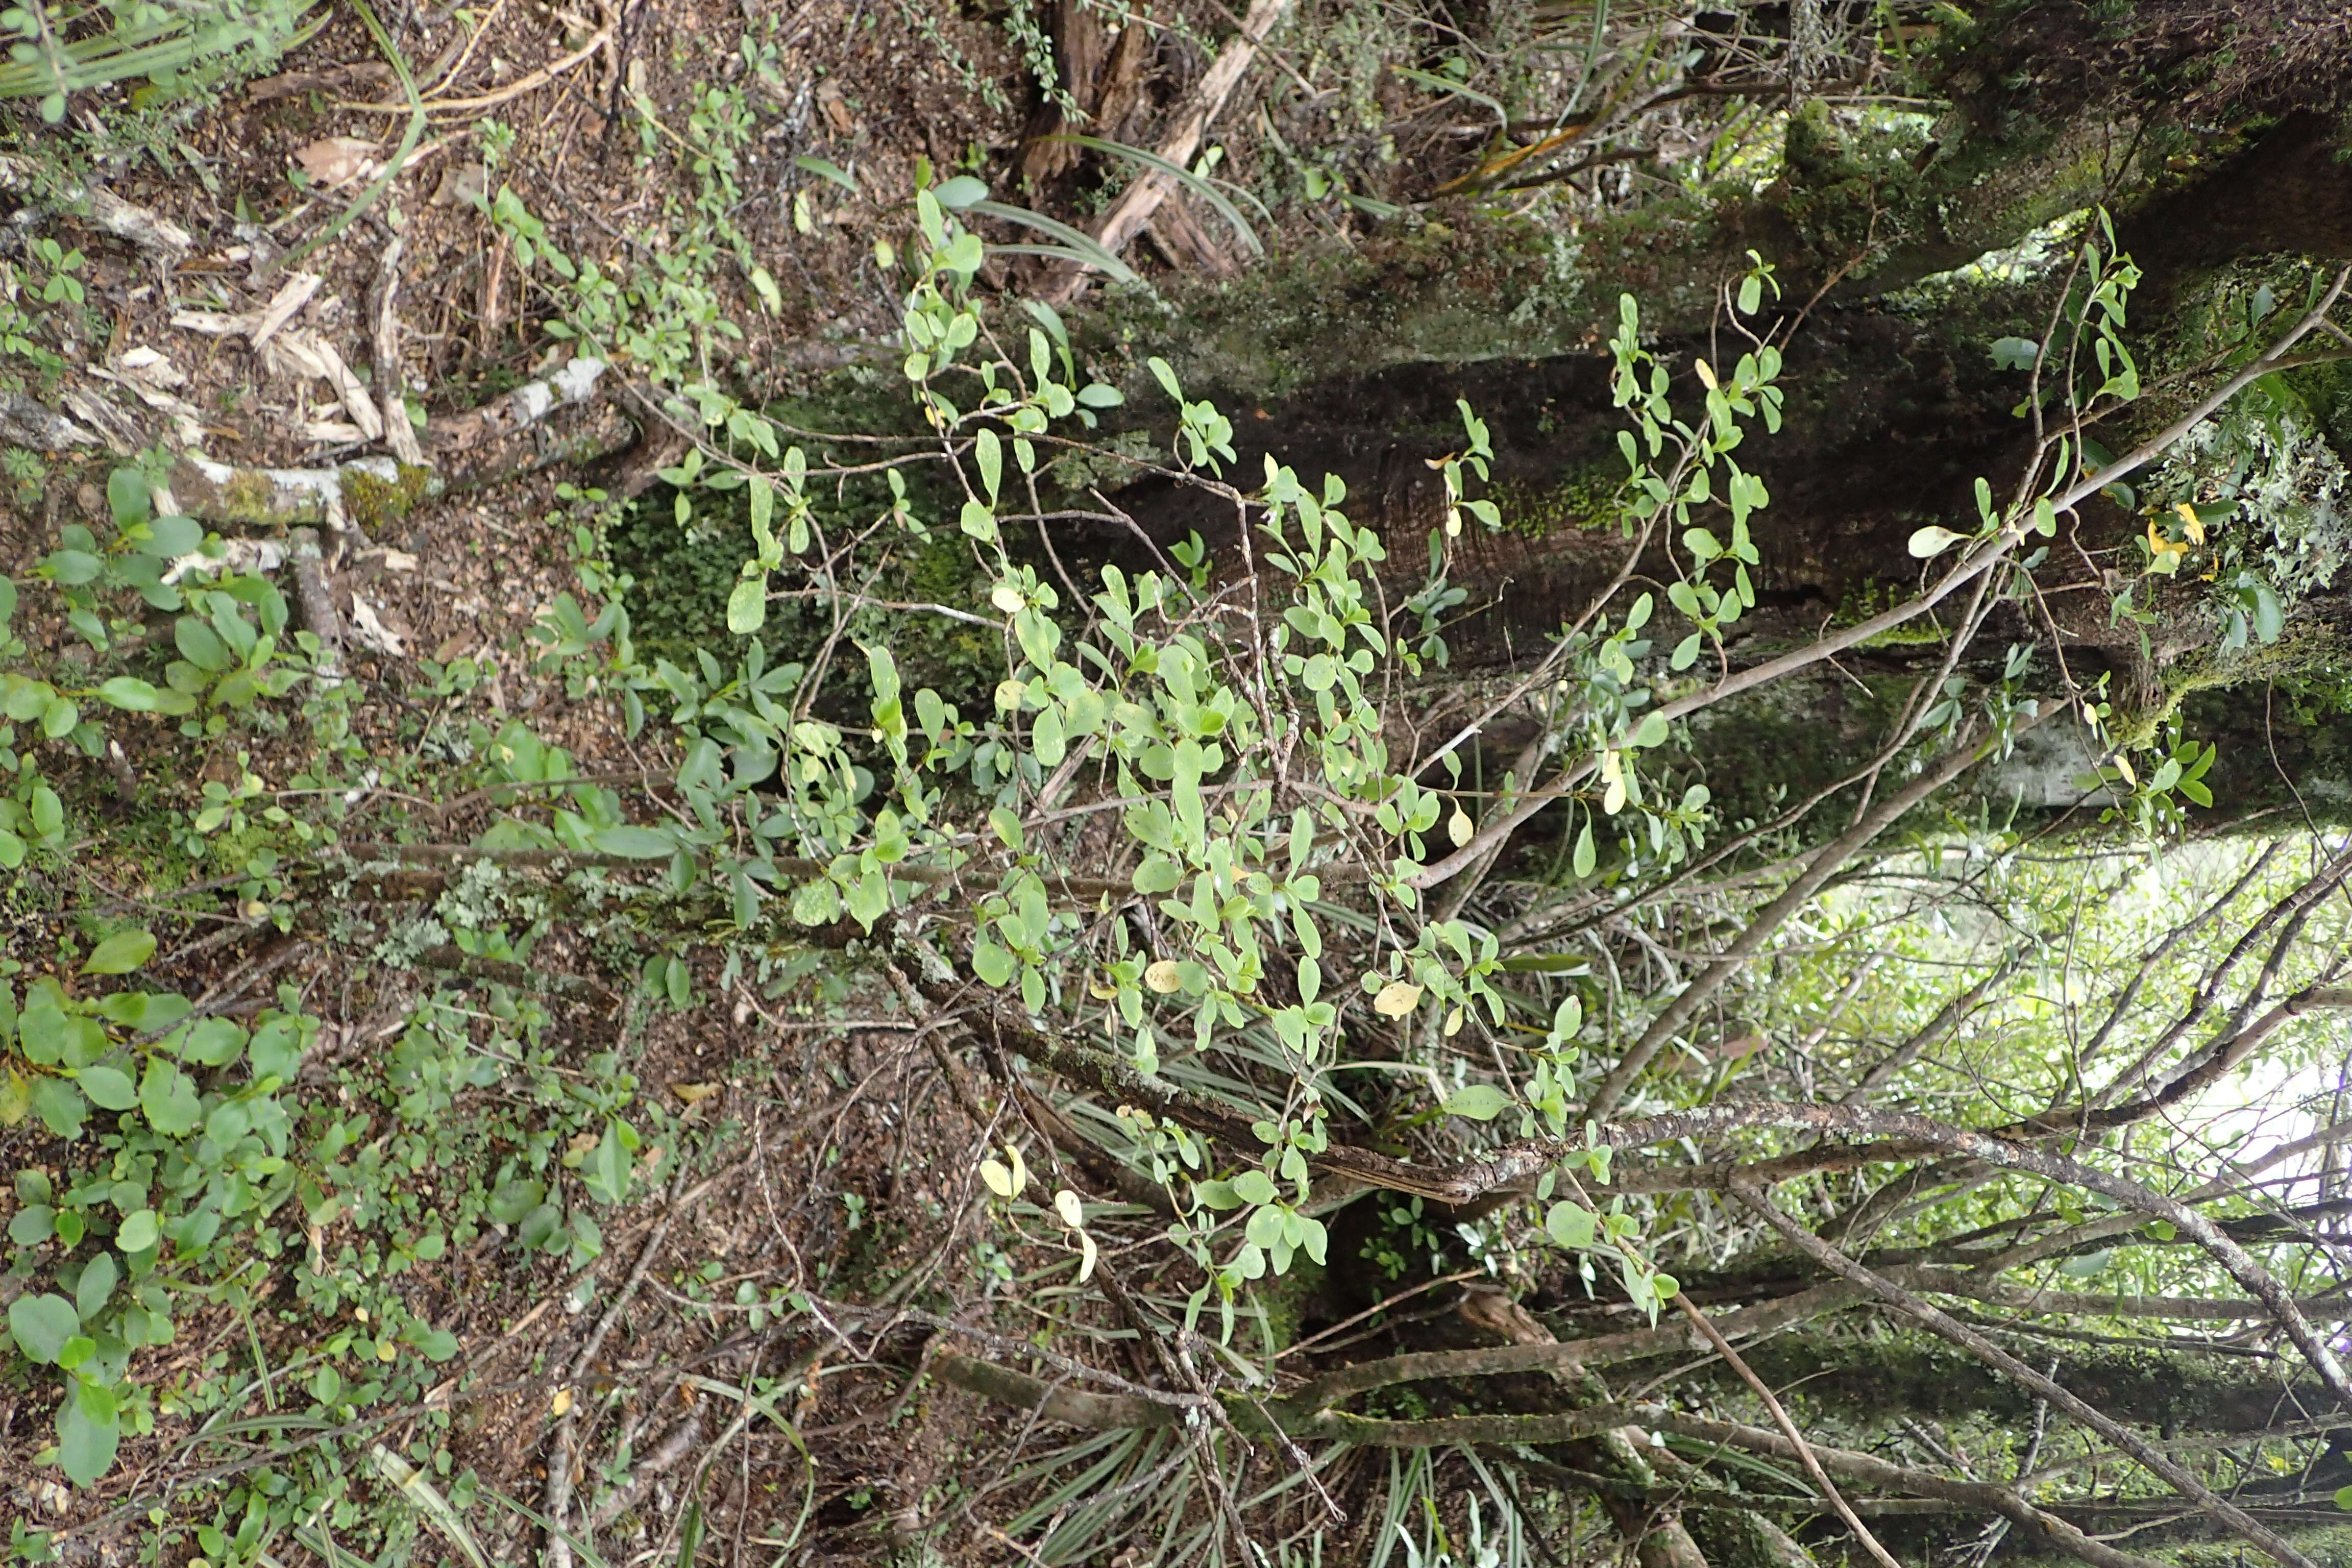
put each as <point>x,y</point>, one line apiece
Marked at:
<point>2152,1458</point>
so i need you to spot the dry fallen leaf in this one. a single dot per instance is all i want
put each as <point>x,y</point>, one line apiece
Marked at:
<point>829,99</point>
<point>369,631</point>
<point>1746,1045</point>
<point>151,366</point>
<point>561,1403</point>
<point>335,160</point>
<point>462,185</point>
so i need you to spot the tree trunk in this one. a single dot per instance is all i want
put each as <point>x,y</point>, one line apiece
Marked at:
<point>1894,411</point>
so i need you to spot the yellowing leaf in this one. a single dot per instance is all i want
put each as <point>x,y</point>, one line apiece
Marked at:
<point>1073,1212</point>
<point>764,284</point>
<point>2160,545</point>
<point>1928,542</point>
<point>1397,998</point>
<point>998,1177</point>
<point>386,1350</point>
<point>2190,523</point>
<point>1162,976</point>
<point>561,1403</point>
<point>694,1093</point>
<point>1087,1256</point>
<point>1007,598</point>
<point>1459,828</point>
<point>1706,373</point>
<point>1454,1023</point>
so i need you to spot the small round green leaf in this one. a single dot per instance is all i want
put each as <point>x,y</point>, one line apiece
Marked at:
<point>1253,1187</point>
<point>121,954</point>
<point>138,1231</point>
<point>129,694</point>
<point>1478,1102</point>
<point>961,192</point>
<point>1571,1225</point>
<point>109,1088</point>
<point>42,1325</point>
<point>1931,541</point>
<point>636,843</point>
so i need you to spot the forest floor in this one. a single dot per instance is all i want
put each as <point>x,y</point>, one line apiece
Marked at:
<point>668,140</point>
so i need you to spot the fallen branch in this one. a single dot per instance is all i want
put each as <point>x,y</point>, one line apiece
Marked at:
<point>317,598</point>
<point>391,379</point>
<point>1805,1453</point>
<point>124,220</point>
<point>482,446</point>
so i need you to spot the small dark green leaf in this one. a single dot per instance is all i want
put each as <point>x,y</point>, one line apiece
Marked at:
<point>127,498</point>
<point>42,1325</point>
<point>86,1433</point>
<point>168,1097</point>
<point>637,843</point>
<point>109,1088</point>
<point>121,954</point>
<point>961,192</point>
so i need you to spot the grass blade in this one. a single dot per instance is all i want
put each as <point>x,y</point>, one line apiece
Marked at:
<point>426,1499</point>
<point>1081,246</point>
<point>1209,194</point>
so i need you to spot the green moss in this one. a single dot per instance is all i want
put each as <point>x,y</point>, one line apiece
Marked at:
<point>1586,498</point>
<point>1283,1300</point>
<point>249,496</point>
<point>370,501</point>
<point>681,575</point>
<point>2307,658</point>
<point>1845,176</point>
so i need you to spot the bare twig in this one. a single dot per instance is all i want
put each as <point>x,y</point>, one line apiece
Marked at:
<point>1805,1454</point>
